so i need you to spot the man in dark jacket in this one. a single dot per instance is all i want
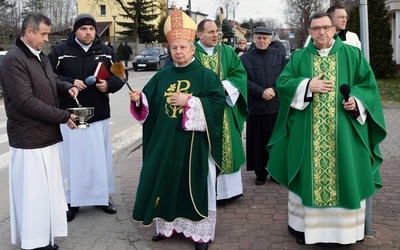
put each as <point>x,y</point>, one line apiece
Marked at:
<point>87,151</point>
<point>275,43</point>
<point>263,65</point>
<point>126,52</point>
<point>37,201</point>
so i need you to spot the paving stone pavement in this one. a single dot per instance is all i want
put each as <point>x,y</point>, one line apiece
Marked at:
<point>257,220</point>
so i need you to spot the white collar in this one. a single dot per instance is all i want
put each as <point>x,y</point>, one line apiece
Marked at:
<point>35,52</point>
<point>208,50</point>
<point>325,52</point>
<point>84,47</point>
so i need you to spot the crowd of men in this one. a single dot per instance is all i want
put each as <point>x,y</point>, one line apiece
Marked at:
<point>199,107</point>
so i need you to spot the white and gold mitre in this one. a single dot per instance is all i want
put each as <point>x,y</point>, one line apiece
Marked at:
<point>179,26</point>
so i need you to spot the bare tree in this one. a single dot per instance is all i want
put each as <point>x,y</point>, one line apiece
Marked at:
<point>272,23</point>
<point>229,6</point>
<point>298,14</point>
<point>6,14</point>
<point>61,12</point>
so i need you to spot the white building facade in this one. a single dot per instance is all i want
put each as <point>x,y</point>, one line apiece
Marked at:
<point>393,7</point>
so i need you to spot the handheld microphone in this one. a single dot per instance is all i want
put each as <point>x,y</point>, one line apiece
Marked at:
<point>90,80</point>
<point>345,91</point>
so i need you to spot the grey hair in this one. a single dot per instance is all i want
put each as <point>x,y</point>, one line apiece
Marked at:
<point>33,20</point>
<point>241,39</point>
<point>255,35</point>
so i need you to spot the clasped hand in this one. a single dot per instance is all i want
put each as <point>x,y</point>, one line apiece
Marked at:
<point>268,94</point>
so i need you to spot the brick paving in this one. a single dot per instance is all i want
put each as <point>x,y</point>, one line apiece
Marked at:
<point>258,219</point>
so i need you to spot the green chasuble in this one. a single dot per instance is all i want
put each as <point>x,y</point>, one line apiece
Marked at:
<point>322,153</point>
<point>173,180</point>
<point>234,117</point>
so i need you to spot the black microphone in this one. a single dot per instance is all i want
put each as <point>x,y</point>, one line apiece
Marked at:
<point>345,91</point>
<point>90,80</point>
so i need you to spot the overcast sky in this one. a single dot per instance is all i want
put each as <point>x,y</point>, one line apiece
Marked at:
<point>246,9</point>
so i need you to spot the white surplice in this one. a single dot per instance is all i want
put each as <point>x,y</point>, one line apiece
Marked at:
<point>326,225</point>
<point>37,201</point>
<point>88,158</point>
<point>229,185</point>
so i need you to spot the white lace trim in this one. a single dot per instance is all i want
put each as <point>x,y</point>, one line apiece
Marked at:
<point>195,120</point>
<point>199,231</point>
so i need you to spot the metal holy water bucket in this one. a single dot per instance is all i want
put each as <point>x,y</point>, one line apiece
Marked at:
<point>83,114</point>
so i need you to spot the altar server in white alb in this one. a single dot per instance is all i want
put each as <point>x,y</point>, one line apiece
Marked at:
<point>87,151</point>
<point>37,200</point>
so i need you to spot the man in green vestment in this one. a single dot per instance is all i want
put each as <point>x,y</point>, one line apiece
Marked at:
<point>234,79</point>
<point>181,109</point>
<point>325,144</point>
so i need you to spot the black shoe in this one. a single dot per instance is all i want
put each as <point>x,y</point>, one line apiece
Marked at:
<point>260,181</point>
<point>200,246</point>
<point>110,209</point>
<point>157,237</point>
<point>226,201</point>
<point>53,247</point>
<point>70,216</point>
<point>71,212</point>
<point>221,203</point>
<point>48,247</point>
<point>300,239</point>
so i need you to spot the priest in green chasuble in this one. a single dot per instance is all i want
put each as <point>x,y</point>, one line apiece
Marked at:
<point>181,109</point>
<point>223,60</point>
<point>325,144</point>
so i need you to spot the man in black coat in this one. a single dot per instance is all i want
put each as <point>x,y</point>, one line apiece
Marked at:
<point>126,53</point>
<point>275,43</point>
<point>91,177</point>
<point>263,65</point>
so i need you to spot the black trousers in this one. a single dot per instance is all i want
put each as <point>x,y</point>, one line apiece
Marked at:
<point>258,132</point>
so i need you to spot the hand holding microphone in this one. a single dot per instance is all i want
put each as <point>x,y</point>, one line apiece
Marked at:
<point>349,103</point>
<point>81,85</point>
<point>90,80</point>
<point>345,91</point>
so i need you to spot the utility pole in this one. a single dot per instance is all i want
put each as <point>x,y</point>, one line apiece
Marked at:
<point>234,24</point>
<point>189,9</point>
<point>114,17</point>
<point>364,36</point>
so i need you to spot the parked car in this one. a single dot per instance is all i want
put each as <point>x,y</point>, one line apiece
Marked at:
<point>248,44</point>
<point>286,44</point>
<point>2,54</point>
<point>150,58</point>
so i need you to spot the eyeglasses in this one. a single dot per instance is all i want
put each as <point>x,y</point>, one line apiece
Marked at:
<point>342,17</point>
<point>242,43</point>
<point>325,28</point>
